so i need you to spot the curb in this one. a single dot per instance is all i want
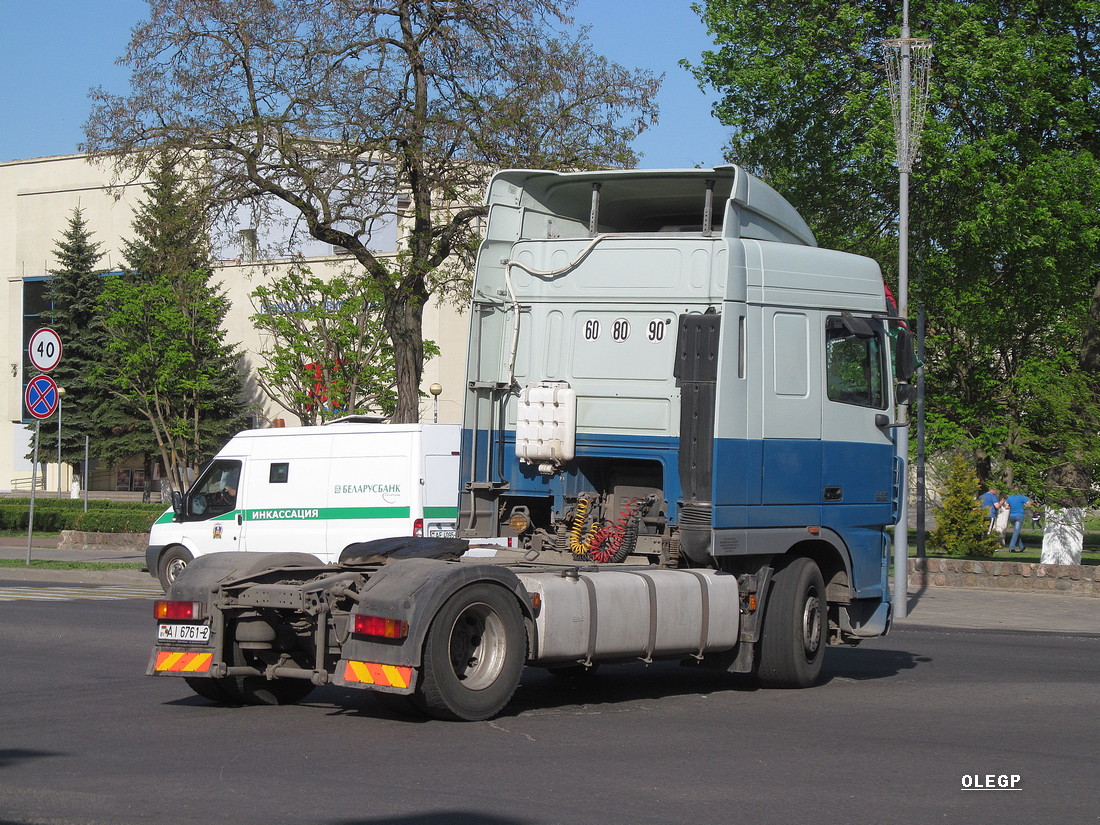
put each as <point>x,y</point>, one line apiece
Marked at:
<point>100,542</point>
<point>1076,579</point>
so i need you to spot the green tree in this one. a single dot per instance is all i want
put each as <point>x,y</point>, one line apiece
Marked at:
<point>167,355</point>
<point>1005,232</point>
<point>325,351</point>
<point>962,528</point>
<point>358,115</point>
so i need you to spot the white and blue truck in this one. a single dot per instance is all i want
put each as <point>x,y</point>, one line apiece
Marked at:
<point>678,443</point>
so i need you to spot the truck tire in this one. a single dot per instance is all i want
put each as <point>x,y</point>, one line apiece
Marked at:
<point>792,643</point>
<point>222,691</point>
<point>250,690</point>
<point>473,655</point>
<point>172,564</point>
<point>258,690</point>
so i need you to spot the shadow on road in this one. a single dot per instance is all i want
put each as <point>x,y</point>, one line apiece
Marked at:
<point>438,818</point>
<point>611,685</point>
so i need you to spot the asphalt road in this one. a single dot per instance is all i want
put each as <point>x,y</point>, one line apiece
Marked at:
<point>889,736</point>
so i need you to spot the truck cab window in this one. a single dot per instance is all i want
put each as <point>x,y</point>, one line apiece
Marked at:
<point>854,365</point>
<point>215,492</point>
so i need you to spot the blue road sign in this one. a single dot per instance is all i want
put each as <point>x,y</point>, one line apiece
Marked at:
<point>41,396</point>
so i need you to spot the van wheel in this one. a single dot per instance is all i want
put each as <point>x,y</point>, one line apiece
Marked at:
<point>172,564</point>
<point>473,656</point>
<point>792,644</point>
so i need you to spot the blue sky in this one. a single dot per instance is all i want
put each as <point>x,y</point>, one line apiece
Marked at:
<point>53,51</point>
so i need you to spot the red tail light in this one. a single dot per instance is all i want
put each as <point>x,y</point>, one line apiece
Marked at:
<point>378,626</point>
<point>163,609</point>
<point>418,528</point>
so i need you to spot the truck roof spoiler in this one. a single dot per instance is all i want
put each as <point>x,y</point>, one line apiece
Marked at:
<point>632,200</point>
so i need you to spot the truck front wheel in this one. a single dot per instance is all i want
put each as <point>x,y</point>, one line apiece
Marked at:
<point>473,655</point>
<point>792,644</point>
<point>172,564</point>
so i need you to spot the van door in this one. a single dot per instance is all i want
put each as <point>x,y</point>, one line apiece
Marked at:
<point>285,495</point>
<point>440,495</point>
<point>371,494</point>
<point>211,513</point>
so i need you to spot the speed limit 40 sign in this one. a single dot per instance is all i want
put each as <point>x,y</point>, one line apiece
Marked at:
<point>44,349</point>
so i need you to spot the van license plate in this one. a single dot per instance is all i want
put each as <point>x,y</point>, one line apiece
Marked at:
<point>441,534</point>
<point>189,633</point>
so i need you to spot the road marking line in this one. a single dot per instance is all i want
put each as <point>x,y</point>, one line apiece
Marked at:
<point>55,594</point>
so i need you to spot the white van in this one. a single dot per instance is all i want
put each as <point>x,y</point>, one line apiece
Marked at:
<point>314,490</point>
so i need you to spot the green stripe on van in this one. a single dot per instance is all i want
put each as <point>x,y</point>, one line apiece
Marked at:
<point>311,513</point>
<point>441,512</point>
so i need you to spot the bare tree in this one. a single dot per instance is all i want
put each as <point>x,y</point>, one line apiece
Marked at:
<point>356,114</point>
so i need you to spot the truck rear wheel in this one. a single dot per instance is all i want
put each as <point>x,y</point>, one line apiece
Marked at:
<point>792,644</point>
<point>249,690</point>
<point>172,563</point>
<point>222,691</point>
<point>473,655</point>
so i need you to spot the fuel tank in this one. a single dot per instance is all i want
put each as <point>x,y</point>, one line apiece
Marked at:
<point>608,614</point>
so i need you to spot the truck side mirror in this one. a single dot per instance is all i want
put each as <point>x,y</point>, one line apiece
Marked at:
<point>905,394</point>
<point>905,361</point>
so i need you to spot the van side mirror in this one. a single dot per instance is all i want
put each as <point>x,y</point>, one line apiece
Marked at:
<point>905,360</point>
<point>177,503</point>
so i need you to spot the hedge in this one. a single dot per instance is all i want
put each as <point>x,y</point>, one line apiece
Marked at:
<point>106,517</point>
<point>48,502</point>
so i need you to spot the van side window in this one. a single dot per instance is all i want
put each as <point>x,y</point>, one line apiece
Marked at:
<point>854,363</point>
<point>278,473</point>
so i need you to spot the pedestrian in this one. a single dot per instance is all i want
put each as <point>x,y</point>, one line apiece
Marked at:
<point>991,501</point>
<point>1016,504</point>
<point>1000,524</point>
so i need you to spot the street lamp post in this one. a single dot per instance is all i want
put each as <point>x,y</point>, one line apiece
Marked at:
<point>907,64</point>
<point>435,390</point>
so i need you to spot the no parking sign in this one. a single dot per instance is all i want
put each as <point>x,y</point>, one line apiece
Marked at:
<point>41,396</point>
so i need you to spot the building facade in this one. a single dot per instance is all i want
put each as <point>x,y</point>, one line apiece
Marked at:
<point>37,199</point>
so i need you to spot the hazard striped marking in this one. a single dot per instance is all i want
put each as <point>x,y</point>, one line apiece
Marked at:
<point>184,662</point>
<point>373,673</point>
<point>67,594</point>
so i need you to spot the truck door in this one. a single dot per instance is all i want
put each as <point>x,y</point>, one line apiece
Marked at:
<point>857,452</point>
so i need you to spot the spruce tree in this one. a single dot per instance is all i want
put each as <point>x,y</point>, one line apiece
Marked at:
<point>962,526</point>
<point>164,317</point>
<point>73,292</point>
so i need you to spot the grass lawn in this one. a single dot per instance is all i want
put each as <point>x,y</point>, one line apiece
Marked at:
<point>1033,549</point>
<point>39,564</point>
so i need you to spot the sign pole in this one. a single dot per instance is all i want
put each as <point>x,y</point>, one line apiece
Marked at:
<point>60,393</point>
<point>85,473</point>
<point>34,486</point>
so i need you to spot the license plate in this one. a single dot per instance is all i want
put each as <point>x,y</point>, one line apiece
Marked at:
<point>190,633</point>
<point>441,534</point>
